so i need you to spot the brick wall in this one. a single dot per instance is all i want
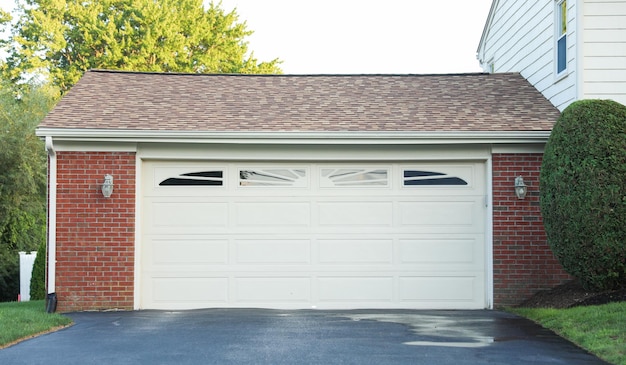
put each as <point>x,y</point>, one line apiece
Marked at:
<point>95,235</point>
<point>522,261</point>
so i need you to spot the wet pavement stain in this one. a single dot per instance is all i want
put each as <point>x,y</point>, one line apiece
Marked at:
<point>449,329</point>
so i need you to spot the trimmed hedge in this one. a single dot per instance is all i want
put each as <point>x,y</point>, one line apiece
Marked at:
<point>583,192</point>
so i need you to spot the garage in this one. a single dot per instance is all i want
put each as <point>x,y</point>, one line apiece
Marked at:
<point>296,191</point>
<point>312,235</point>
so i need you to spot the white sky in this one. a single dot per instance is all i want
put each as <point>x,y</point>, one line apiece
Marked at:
<point>363,36</point>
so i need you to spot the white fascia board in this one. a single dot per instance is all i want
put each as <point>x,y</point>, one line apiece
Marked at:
<point>483,38</point>
<point>141,136</point>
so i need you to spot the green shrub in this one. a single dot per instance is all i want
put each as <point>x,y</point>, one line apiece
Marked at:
<point>38,278</point>
<point>583,192</point>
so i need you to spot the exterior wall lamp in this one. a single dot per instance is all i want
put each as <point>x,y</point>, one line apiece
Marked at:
<point>520,188</point>
<point>107,186</point>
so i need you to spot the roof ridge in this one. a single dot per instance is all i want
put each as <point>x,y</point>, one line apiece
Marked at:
<point>298,75</point>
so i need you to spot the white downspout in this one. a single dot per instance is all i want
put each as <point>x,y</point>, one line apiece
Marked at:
<point>52,215</point>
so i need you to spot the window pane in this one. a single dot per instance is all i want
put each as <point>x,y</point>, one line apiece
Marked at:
<point>272,177</point>
<point>421,178</point>
<point>354,177</point>
<point>441,181</point>
<point>561,54</point>
<point>563,17</point>
<point>202,178</point>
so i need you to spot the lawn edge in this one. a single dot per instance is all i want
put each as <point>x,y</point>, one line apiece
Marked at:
<point>29,337</point>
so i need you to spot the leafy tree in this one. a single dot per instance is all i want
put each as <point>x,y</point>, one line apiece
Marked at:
<point>60,39</point>
<point>583,192</point>
<point>22,178</point>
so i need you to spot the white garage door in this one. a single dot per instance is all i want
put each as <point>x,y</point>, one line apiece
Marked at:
<point>306,235</point>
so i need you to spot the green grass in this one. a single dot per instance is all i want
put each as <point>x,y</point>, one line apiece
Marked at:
<point>23,320</point>
<point>599,329</point>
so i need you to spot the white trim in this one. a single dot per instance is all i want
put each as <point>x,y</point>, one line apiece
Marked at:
<point>579,28</point>
<point>52,216</point>
<point>528,148</point>
<point>138,231</point>
<point>139,136</point>
<point>489,234</point>
<point>96,146</point>
<point>480,52</point>
<point>311,152</point>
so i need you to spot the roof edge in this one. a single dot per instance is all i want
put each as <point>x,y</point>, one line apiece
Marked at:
<point>339,137</point>
<point>486,29</point>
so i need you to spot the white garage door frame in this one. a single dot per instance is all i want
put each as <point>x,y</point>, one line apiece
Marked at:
<point>311,153</point>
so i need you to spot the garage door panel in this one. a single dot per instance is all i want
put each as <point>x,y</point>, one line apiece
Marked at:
<point>355,214</point>
<point>438,213</point>
<point>355,289</point>
<point>175,251</point>
<point>441,250</point>
<point>198,290</point>
<point>273,289</point>
<point>281,214</point>
<point>439,288</point>
<point>273,251</point>
<point>169,215</point>
<point>355,251</point>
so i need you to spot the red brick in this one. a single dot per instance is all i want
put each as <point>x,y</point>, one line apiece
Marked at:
<point>518,233</point>
<point>92,233</point>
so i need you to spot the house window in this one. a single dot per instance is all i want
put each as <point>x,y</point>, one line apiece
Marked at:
<point>561,36</point>
<point>201,178</point>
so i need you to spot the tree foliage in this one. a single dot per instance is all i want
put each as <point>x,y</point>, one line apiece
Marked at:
<point>22,178</point>
<point>61,39</point>
<point>583,192</point>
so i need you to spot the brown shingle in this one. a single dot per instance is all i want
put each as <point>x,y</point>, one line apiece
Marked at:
<point>303,103</point>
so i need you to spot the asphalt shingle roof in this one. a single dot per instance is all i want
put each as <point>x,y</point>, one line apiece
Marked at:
<point>302,103</point>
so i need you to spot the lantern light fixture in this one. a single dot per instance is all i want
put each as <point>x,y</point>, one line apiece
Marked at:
<point>520,188</point>
<point>107,186</point>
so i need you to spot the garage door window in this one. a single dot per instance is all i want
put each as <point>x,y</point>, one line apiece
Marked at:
<point>430,178</point>
<point>202,178</point>
<point>273,177</point>
<point>354,177</point>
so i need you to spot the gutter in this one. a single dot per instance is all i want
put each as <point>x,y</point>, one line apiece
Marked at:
<point>279,137</point>
<point>52,215</point>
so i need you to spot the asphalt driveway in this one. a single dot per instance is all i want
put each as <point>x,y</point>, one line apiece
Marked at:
<point>258,336</point>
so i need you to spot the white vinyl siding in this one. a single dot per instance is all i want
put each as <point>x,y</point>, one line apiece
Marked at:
<point>521,38</point>
<point>604,60</point>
